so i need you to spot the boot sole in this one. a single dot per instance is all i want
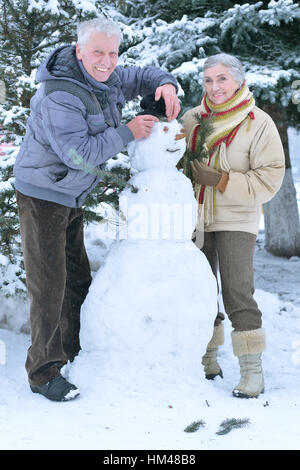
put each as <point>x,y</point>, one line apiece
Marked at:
<point>238,394</point>
<point>212,376</point>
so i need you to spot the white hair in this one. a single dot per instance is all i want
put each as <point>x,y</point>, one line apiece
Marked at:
<point>97,25</point>
<point>235,66</point>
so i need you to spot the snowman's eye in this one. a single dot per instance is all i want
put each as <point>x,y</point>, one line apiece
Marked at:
<point>166,129</point>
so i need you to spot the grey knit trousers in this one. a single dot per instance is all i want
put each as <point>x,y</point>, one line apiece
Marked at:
<point>57,278</point>
<point>231,252</point>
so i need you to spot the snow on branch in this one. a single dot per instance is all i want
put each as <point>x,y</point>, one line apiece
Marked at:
<point>271,84</point>
<point>166,44</point>
<point>282,10</point>
<point>56,7</point>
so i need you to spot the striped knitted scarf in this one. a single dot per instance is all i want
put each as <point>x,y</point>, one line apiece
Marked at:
<point>226,119</point>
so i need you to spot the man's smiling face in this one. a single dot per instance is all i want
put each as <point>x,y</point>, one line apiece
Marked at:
<point>99,55</point>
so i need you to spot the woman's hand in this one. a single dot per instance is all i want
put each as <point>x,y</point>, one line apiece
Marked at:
<point>207,176</point>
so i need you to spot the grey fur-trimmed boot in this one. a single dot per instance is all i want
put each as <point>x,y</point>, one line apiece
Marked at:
<point>209,360</point>
<point>248,346</point>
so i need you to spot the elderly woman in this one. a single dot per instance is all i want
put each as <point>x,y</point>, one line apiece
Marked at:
<point>244,169</point>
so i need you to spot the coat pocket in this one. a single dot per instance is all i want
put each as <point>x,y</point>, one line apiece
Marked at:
<point>96,123</point>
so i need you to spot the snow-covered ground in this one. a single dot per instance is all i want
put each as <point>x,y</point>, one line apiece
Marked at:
<point>150,409</point>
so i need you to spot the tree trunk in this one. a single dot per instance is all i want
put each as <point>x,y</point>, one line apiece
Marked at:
<point>282,228</point>
<point>281,214</point>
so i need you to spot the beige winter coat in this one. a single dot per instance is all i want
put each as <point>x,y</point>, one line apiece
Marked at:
<point>256,164</point>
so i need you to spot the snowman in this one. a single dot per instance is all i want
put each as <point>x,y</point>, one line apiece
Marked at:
<point>153,302</point>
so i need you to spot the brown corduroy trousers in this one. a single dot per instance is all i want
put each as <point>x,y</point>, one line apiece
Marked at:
<point>57,278</point>
<point>231,252</point>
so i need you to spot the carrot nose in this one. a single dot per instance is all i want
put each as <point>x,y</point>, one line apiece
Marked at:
<point>182,135</point>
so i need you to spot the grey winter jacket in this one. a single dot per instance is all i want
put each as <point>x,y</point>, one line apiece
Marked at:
<point>74,126</point>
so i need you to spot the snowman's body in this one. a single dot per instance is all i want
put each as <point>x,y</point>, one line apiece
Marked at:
<point>154,301</point>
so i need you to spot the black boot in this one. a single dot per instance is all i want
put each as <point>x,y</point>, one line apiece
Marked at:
<point>57,389</point>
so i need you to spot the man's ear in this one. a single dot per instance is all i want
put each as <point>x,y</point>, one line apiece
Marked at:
<point>78,53</point>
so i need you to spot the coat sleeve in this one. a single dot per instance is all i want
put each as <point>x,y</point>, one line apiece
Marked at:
<point>65,125</point>
<point>267,166</point>
<point>141,81</point>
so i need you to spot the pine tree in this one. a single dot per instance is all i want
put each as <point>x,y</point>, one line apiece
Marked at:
<point>29,30</point>
<point>11,262</point>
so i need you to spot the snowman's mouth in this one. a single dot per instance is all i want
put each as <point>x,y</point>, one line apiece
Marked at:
<point>172,150</point>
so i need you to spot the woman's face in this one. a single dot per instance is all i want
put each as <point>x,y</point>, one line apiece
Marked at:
<point>219,84</point>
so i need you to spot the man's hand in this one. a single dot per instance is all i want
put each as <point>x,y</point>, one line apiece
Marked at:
<point>141,126</point>
<point>168,93</point>
<point>207,176</point>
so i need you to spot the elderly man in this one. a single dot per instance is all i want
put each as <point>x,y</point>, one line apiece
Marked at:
<point>73,128</point>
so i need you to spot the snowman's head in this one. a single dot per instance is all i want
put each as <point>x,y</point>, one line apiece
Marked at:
<point>162,149</point>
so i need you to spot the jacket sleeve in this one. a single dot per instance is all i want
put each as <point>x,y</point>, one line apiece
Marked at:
<point>267,166</point>
<point>141,81</point>
<point>65,126</point>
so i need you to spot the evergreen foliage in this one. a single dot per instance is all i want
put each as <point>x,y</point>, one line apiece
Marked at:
<point>167,10</point>
<point>11,262</point>
<point>201,152</point>
<point>8,223</point>
<point>194,426</point>
<point>232,423</point>
<point>108,190</point>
